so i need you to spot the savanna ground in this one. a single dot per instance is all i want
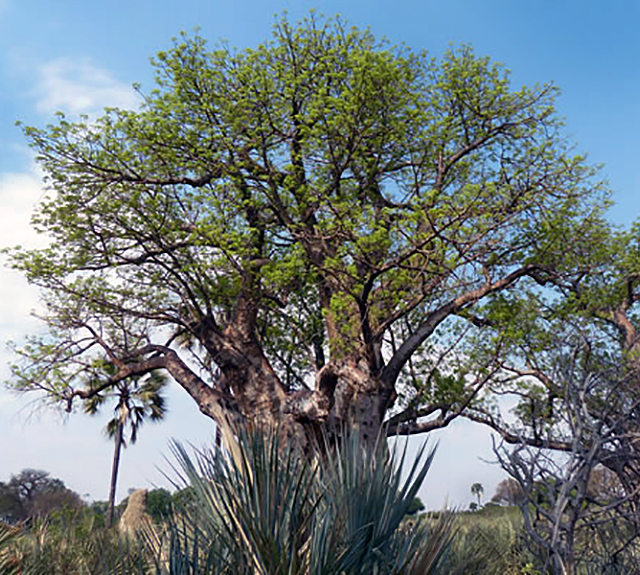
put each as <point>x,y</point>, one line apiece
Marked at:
<point>259,508</point>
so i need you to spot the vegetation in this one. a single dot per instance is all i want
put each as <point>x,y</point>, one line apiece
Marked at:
<point>415,506</point>
<point>135,401</point>
<point>575,510</point>
<point>323,240</point>
<point>72,548</point>
<point>228,520</point>
<point>477,489</point>
<point>508,492</point>
<point>160,504</point>
<point>489,542</point>
<point>34,493</point>
<point>262,509</point>
<point>301,232</point>
<point>341,514</point>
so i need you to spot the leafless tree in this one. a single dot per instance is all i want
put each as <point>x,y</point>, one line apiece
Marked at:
<point>569,520</point>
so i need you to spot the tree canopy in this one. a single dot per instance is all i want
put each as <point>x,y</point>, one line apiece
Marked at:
<point>508,492</point>
<point>33,492</point>
<point>301,231</point>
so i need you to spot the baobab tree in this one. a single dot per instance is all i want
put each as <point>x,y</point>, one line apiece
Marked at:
<point>318,217</point>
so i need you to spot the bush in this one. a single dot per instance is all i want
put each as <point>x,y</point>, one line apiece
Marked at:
<point>265,509</point>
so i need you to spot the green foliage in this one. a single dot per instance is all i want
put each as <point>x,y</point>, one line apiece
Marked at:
<point>263,509</point>
<point>34,493</point>
<point>159,504</point>
<point>9,563</point>
<point>483,546</point>
<point>76,548</point>
<point>11,507</point>
<point>415,506</point>
<point>477,489</point>
<point>337,189</point>
<point>508,492</point>
<point>99,511</point>
<point>184,497</point>
<point>137,399</point>
<point>489,544</point>
<point>260,509</point>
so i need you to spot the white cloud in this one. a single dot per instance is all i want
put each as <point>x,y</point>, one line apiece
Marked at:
<point>78,87</point>
<point>19,193</point>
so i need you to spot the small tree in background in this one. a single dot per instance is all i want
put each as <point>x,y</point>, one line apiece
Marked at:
<point>508,492</point>
<point>415,506</point>
<point>477,489</point>
<point>136,400</point>
<point>11,508</point>
<point>33,492</point>
<point>159,504</point>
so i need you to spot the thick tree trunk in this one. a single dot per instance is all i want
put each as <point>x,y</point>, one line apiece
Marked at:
<point>358,398</point>
<point>349,392</point>
<point>346,396</point>
<point>114,475</point>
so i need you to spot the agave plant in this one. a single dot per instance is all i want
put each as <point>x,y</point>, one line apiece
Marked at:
<point>262,508</point>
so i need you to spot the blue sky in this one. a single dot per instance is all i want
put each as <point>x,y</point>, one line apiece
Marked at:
<point>80,56</point>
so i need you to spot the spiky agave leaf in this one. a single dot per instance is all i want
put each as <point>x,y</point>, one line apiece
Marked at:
<point>366,500</point>
<point>264,508</point>
<point>258,506</point>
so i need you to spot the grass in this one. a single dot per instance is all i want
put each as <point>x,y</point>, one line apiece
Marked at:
<point>259,508</point>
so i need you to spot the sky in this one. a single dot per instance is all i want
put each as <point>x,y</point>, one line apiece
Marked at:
<point>78,57</point>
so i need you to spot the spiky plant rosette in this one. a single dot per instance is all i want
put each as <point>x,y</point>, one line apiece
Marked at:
<point>260,506</point>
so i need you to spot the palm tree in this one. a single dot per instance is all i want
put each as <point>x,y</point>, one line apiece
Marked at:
<point>137,399</point>
<point>477,490</point>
